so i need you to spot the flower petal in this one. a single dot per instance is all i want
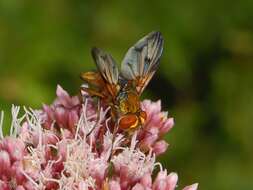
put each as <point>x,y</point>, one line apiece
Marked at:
<point>192,187</point>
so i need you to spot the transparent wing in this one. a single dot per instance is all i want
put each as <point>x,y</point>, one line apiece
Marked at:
<point>142,59</point>
<point>107,68</point>
<point>106,65</point>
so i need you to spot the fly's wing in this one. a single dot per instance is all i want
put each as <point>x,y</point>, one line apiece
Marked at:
<point>108,70</point>
<point>141,60</point>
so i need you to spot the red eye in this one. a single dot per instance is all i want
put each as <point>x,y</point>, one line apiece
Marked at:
<point>128,121</point>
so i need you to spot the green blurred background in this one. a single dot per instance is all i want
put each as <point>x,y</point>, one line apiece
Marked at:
<point>205,78</point>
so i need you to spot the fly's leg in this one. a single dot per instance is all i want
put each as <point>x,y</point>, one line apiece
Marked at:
<point>99,107</point>
<point>93,93</point>
<point>115,129</point>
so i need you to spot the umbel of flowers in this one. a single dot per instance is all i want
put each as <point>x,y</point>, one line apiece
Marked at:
<point>69,145</point>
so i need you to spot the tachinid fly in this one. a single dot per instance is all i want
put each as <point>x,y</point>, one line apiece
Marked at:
<point>121,90</point>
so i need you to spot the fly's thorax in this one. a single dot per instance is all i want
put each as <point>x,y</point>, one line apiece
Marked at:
<point>128,102</point>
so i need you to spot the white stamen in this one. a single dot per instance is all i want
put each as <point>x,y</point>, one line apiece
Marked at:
<point>159,165</point>
<point>15,124</point>
<point>30,179</point>
<point>49,179</point>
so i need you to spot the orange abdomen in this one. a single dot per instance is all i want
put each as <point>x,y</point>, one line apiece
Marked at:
<point>128,121</point>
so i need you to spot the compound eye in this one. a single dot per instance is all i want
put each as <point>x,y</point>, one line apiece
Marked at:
<point>129,121</point>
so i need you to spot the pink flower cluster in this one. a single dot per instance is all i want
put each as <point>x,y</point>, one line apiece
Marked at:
<point>69,145</point>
